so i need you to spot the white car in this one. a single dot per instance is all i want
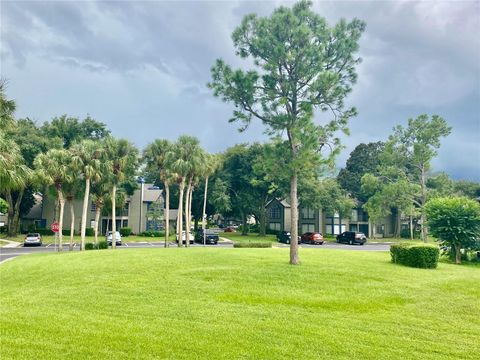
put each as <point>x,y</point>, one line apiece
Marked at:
<point>184,237</point>
<point>33,239</point>
<point>118,238</point>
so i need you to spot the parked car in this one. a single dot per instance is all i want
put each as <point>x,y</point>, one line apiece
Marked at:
<point>285,237</point>
<point>211,237</point>
<point>352,237</point>
<point>313,238</point>
<point>33,239</point>
<point>118,238</point>
<point>184,238</point>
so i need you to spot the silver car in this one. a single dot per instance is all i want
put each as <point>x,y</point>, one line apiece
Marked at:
<point>33,239</point>
<point>118,238</point>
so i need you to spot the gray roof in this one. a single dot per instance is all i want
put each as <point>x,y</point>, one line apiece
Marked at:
<point>283,202</point>
<point>151,194</point>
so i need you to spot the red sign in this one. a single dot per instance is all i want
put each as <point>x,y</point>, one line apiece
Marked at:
<point>55,227</point>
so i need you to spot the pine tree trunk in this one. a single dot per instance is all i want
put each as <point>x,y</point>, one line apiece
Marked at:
<point>61,200</point>
<point>114,217</point>
<point>180,213</point>
<point>167,213</point>
<point>204,212</point>
<point>458,254</point>
<point>98,210</point>
<point>398,221</point>
<point>262,231</point>
<point>244,224</point>
<point>423,200</point>
<point>294,260</point>
<point>84,213</point>
<point>72,224</point>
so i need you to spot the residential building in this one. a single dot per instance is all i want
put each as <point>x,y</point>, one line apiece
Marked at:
<point>317,220</point>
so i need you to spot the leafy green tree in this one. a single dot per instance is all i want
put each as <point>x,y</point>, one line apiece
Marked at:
<point>470,189</point>
<point>55,168</point>
<point>455,222</point>
<point>3,206</point>
<point>364,159</point>
<point>70,130</point>
<point>73,190</point>
<point>122,159</point>
<point>405,166</point>
<point>302,65</point>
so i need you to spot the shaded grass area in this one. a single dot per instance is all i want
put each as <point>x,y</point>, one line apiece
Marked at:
<point>213,303</point>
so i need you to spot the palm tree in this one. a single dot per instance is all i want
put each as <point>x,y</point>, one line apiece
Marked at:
<point>87,158</point>
<point>210,165</point>
<point>54,168</point>
<point>14,176</point>
<point>122,160</point>
<point>72,192</point>
<point>156,158</point>
<point>7,107</point>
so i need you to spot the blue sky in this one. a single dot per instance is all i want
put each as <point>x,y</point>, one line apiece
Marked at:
<point>142,68</point>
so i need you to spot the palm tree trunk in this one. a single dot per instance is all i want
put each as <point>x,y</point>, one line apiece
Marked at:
<point>98,210</point>
<point>294,260</point>
<point>167,213</point>
<point>16,214</point>
<point>10,212</point>
<point>204,213</point>
<point>411,227</point>
<point>190,197</point>
<point>187,220</point>
<point>114,218</point>
<point>84,213</point>
<point>72,224</point>
<point>180,213</point>
<point>61,200</point>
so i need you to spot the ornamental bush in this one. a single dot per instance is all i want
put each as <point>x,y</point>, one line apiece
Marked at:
<point>89,232</point>
<point>125,231</point>
<point>152,234</point>
<point>44,231</point>
<point>415,255</point>
<point>256,244</point>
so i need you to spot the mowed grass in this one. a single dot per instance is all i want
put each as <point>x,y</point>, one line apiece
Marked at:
<point>214,303</point>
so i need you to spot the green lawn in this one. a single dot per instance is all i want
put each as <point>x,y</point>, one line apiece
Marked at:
<point>225,303</point>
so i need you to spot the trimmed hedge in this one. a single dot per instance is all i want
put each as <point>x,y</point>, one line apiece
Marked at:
<point>153,233</point>
<point>256,244</point>
<point>89,232</point>
<point>125,231</point>
<point>44,231</point>
<point>101,245</point>
<point>423,256</point>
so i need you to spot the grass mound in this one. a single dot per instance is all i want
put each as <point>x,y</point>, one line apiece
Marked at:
<point>214,303</point>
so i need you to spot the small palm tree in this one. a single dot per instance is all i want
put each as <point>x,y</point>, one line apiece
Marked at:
<point>156,158</point>
<point>209,168</point>
<point>72,191</point>
<point>54,168</point>
<point>87,158</point>
<point>122,159</point>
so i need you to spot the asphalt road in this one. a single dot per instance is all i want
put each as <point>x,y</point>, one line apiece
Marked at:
<point>8,253</point>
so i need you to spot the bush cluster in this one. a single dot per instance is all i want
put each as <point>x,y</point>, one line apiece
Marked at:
<point>415,255</point>
<point>89,232</point>
<point>44,231</point>
<point>272,232</point>
<point>153,233</point>
<point>125,231</point>
<point>100,245</point>
<point>256,244</point>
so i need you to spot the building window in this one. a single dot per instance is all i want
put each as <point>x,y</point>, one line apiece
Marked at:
<point>93,207</point>
<point>274,226</point>
<point>354,217</point>
<point>125,223</point>
<point>307,228</point>
<point>308,213</point>
<point>334,224</point>
<point>125,208</point>
<point>275,212</point>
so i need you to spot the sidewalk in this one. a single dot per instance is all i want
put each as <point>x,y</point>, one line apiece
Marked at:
<point>10,244</point>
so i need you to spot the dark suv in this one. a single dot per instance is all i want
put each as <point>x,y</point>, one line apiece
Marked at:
<point>285,237</point>
<point>352,237</point>
<point>211,237</point>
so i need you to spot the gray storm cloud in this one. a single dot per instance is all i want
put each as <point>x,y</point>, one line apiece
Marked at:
<point>142,68</point>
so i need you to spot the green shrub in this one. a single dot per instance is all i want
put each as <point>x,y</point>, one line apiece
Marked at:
<point>272,232</point>
<point>102,245</point>
<point>152,233</point>
<point>125,231</point>
<point>44,231</point>
<point>89,232</point>
<point>415,255</point>
<point>31,228</point>
<point>90,246</point>
<point>253,244</point>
